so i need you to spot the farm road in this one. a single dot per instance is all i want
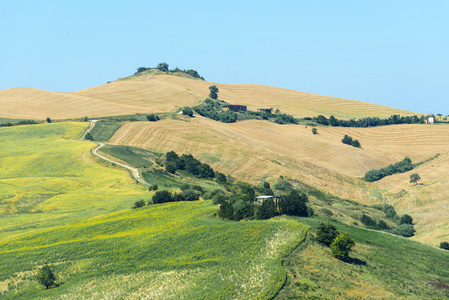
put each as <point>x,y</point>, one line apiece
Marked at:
<point>134,171</point>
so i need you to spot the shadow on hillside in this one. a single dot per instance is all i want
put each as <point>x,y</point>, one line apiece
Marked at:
<point>356,261</point>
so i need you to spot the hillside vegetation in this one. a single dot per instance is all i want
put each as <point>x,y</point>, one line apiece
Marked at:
<point>254,150</point>
<point>167,251</point>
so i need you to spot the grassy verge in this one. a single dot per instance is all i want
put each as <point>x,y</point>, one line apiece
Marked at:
<point>382,266</point>
<point>166,251</point>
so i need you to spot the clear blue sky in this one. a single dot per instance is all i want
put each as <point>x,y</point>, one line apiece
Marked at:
<point>388,52</point>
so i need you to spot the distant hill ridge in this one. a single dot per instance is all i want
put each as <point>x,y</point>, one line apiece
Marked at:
<point>152,91</point>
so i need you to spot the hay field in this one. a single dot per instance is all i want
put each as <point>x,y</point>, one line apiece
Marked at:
<point>49,178</point>
<point>255,150</point>
<point>166,93</point>
<point>164,251</point>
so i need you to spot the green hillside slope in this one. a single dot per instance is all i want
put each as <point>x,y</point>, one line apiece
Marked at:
<point>48,178</point>
<point>165,251</point>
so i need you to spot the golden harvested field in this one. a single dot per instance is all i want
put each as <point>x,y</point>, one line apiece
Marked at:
<point>254,150</point>
<point>164,93</point>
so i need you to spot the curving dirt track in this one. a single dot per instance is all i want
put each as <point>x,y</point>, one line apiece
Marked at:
<point>134,171</point>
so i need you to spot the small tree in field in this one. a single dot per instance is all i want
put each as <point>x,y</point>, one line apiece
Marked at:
<point>314,130</point>
<point>444,245</point>
<point>341,246</point>
<point>46,276</point>
<point>48,120</point>
<point>213,92</point>
<point>414,178</point>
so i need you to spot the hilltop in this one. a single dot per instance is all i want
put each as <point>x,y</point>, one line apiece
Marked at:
<point>154,91</point>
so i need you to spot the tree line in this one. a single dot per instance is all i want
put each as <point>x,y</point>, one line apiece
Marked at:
<point>164,67</point>
<point>22,122</point>
<point>367,122</point>
<point>404,223</point>
<point>399,167</point>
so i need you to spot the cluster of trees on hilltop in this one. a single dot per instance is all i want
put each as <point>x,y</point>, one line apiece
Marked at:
<point>399,167</point>
<point>368,122</point>
<point>164,68</point>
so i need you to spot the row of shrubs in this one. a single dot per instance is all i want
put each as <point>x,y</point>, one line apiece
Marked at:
<point>405,226</point>
<point>399,167</point>
<point>368,122</point>
<point>349,141</point>
<point>22,122</point>
<point>164,67</point>
<point>190,164</point>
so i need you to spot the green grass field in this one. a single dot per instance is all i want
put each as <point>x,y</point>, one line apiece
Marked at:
<point>166,251</point>
<point>48,178</point>
<point>133,156</point>
<point>104,130</point>
<point>382,266</point>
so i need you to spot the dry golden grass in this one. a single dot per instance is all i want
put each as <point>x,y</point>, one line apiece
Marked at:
<point>254,150</point>
<point>164,93</point>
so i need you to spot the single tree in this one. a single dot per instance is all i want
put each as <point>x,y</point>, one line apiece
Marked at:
<point>414,178</point>
<point>341,246</point>
<point>326,234</point>
<point>406,219</point>
<point>139,203</point>
<point>444,245</point>
<point>162,197</point>
<point>46,276</point>
<point>213,92</point>
<point>314,130</point>
<point>170,167</point>
<point>89,136</point>
<point>187,111</point>
<point>48,120</point>
<point>152,118</point>
<point>162,67</point>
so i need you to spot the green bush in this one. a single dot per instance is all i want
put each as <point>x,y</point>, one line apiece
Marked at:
<point>46,276</point>
<point>444,245</point>
<point>342,245</point>
<point>152,117</point>
<point>191,195</point>
<point>187,111</point>
<point>294,204</point>
<point>139,203</point>
<point>326,233</point>
<point>406,219</point>
<point>405,230</point>
<point>162,197</point>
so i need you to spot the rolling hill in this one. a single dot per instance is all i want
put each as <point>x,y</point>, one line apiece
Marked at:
<point>144,93</point>
<point>61,205</point>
